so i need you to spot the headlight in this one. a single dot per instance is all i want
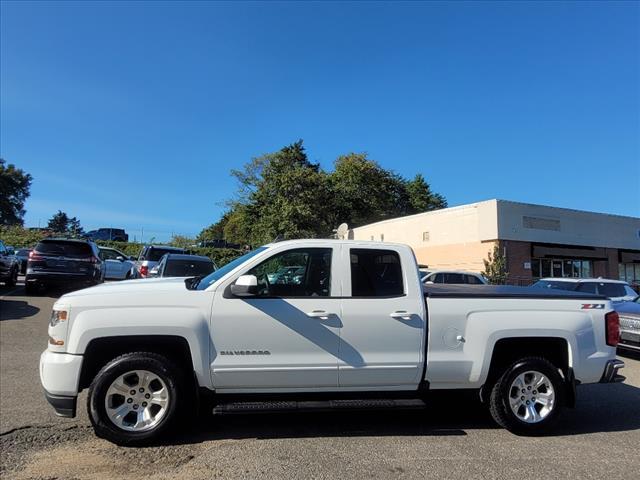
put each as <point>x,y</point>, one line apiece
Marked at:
<point>58,316</point>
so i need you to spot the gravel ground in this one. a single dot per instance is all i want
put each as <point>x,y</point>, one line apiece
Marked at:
<point>453,438</point>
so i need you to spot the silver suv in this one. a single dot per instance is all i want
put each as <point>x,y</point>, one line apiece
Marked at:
<point>615,290</point>
<point>151,255</point>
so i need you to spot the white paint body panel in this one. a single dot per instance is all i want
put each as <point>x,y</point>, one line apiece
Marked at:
<point>357,346</point>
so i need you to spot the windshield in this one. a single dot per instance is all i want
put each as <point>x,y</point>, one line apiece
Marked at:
<point>222,271</point>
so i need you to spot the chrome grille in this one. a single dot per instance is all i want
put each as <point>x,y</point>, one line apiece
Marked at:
<point>629,323</point>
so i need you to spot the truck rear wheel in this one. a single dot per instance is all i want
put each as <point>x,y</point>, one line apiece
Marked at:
<point>528,396</point>
<point>135,398</point>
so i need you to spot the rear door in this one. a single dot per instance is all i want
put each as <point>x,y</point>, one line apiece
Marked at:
<point>383,326</point>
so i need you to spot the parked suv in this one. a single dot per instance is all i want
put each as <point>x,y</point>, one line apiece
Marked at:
<point>114,234</point>
<point>61,261</point>
<point>151,255</point>
<point>178,265</point>
<point>9,266</point>
<point>615,290</point>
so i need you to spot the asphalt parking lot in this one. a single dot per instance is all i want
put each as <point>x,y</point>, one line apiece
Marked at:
<point>453,438</point>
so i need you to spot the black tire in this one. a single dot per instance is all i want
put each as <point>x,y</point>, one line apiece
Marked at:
<point>157,364</point>
<point>499,405</point>
<point>31,288</point>
<point>13,278</point>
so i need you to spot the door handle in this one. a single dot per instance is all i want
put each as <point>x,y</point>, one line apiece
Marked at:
<point>322,314</point>
<point>400,315</point>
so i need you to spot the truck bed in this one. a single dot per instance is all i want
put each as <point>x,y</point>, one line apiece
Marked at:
<point>503,291</point>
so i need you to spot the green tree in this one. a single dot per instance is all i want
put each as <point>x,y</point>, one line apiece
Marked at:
<point>14,190</point>
<point>59,222</point>
<point>74,228</point>
<point>215,231</point>
<point>283,193</point>
<point>495,267</point>
<point>421,198</point>
<point>181,241</point>
<point>364,192</point>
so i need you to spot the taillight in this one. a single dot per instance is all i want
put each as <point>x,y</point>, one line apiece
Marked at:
<point>34,256</point>
<point>144,270</point>
<point>612,324</point>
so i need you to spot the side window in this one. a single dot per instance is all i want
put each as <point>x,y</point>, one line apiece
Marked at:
<point>438,278</point>
<point>472,280</point>
<point>611,289</point>
<point>304,272</point>
<point>108,254</point>
<point>587,287</point>
<point>375,273</point>
<point>454,278</point>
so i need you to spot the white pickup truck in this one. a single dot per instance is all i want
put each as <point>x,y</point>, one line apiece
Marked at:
<point>352,320</point>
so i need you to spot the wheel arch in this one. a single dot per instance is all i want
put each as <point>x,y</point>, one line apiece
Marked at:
<point>99,351</point>
<point>507,350</point>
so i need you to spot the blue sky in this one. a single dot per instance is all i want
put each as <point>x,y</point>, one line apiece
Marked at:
<point>133,114</point>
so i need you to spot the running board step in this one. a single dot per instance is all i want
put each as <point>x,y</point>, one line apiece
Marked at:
<point>315,406</point>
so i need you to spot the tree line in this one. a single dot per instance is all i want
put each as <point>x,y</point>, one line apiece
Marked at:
<point>284,194</point>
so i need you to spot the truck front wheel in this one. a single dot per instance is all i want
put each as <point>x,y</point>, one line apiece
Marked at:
<point>528,396</point>
<point>135,398</point>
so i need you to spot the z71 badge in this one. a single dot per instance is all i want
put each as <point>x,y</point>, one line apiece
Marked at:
<point>245,352</point>
<point>592,306</point>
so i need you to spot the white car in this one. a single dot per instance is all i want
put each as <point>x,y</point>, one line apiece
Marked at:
<point>614,290</point>
<point>118,265</point>
<point>357,323</point>
<point>454,277</point>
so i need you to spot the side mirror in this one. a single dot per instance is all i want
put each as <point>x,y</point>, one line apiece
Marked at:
<point>429,282</point>
<point>120,258</point>
<point>245,286</point>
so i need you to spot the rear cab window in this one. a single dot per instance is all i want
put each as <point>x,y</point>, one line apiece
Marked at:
<point>611,289</point>
<point>376,273</point>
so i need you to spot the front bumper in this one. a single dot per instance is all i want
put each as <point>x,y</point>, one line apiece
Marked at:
<point>610,374</point>
<point>63,405</point>
<point>60,376</point>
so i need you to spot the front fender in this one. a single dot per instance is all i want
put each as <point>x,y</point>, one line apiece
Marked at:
<point>184,322</point>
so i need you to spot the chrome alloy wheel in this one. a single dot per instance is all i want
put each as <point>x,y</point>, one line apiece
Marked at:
<point>137,400</point>
<point>531,397</point>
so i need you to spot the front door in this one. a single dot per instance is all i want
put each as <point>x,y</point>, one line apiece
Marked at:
<point>286,337</point>
<point>383,332</point>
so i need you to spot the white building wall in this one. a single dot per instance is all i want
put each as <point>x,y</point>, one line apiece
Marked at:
<point>565,226</point>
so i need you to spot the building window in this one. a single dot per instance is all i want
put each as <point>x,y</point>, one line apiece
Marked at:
<point>555,267</point>
<point>425,236</point>
<point>629,272</point>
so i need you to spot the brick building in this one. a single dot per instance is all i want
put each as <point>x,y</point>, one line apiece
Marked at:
<point>538,241</point>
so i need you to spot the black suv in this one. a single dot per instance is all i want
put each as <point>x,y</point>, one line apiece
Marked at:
<point>9,266</point>
<point>64,262</point>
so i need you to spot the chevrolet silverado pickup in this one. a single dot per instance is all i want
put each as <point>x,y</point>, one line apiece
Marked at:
<point>353,323</point>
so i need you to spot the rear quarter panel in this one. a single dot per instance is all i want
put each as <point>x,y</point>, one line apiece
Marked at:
<point>481,322</point>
